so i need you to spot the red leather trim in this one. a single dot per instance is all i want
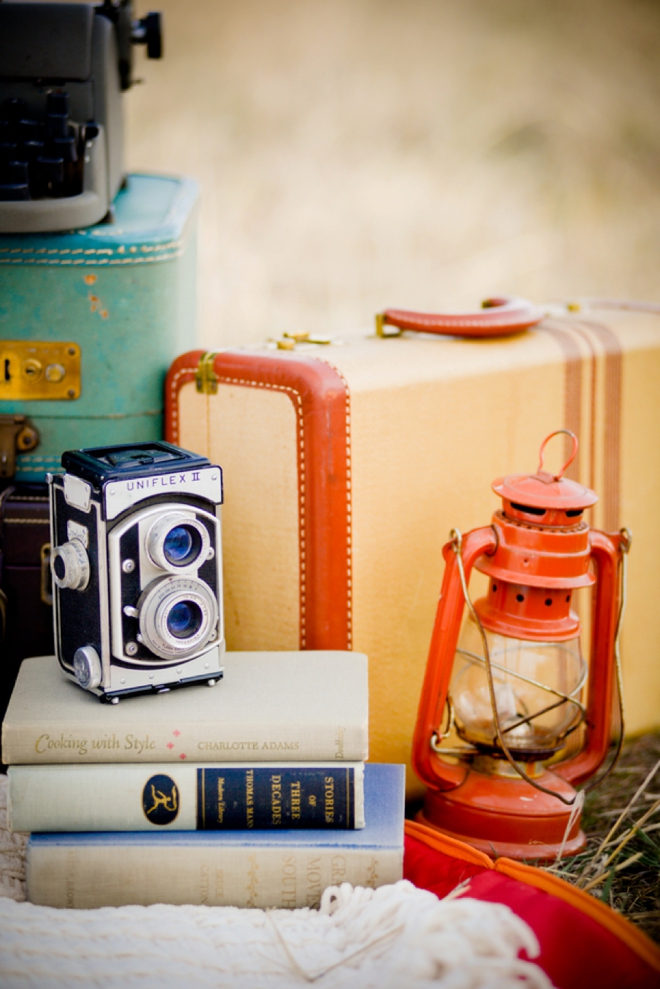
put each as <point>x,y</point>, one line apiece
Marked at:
<point>499,317</point>
<point>180,373</point>
<point>320,398</point>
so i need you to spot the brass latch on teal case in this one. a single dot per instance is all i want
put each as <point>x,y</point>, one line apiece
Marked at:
<point>33,370</point>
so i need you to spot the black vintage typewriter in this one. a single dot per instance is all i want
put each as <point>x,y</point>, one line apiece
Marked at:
<point>63,67</point>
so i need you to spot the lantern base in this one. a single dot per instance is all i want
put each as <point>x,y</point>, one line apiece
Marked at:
<point>506,817</point>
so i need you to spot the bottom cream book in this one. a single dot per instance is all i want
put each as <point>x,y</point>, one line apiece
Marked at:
<point>230,868</point>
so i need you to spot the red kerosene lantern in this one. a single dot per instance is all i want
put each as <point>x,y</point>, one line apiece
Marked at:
<point>498,705</point>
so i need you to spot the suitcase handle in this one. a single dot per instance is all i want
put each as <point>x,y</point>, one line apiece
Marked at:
<point>499,317</point>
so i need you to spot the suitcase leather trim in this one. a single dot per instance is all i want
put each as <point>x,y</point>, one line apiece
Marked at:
<point>320,398</point>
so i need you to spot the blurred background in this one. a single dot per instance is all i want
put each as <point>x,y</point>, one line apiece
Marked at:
<point>423,154</point>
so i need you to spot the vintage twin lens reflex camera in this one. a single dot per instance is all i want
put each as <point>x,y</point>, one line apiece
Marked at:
<point>137,568</point>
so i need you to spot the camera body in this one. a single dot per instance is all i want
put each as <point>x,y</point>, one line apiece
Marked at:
<point>136,561</point>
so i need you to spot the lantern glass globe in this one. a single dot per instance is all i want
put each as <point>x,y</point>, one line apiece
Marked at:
<point>537,687</point>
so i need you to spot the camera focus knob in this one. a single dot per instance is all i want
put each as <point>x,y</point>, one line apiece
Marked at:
<point>70,565</point>
<point>87,667</point>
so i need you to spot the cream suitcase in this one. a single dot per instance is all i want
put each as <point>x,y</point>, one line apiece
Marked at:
<point>346,465</point>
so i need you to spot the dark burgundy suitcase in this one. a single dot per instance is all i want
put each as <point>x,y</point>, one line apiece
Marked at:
<point>26,613</point>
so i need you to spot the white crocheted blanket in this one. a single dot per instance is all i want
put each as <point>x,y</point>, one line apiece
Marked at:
<point>395,937</point>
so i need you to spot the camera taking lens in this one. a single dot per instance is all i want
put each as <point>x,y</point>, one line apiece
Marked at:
<point>176,615</point>
<point>184,619</point>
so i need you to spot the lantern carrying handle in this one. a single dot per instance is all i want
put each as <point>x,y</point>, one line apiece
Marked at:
<point>557,432</point>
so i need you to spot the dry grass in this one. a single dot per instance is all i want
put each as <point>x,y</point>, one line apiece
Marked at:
<point>621,863</point>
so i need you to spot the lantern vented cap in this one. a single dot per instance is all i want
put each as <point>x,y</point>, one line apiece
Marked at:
<point>544,491</point>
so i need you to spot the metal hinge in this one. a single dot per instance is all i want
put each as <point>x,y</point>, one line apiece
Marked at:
<point>17,435</point>
<point>206,380</point>
<point>380,327</point>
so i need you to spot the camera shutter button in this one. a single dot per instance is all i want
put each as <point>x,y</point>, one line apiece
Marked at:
<point>70,565</point>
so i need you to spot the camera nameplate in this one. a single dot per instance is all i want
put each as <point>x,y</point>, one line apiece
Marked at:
<point>122,495</point>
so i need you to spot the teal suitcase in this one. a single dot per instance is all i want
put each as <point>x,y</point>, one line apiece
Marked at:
<point>90,321</point>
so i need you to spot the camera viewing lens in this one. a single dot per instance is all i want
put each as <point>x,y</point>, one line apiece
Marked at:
<point>59,567</point>
<point>181,545</point>
<point>184,619</point>
<point>178,541</point>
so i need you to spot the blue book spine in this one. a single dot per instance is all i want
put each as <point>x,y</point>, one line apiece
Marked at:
<point>266,799</point>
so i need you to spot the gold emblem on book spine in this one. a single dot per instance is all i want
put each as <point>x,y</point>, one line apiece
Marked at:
<point>160,799</point>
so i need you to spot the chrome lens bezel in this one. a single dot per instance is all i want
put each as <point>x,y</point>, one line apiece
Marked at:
<point>160,530</point>
<point>155,605</point>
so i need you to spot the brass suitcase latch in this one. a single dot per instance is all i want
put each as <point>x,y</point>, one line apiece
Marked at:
<point>39,371</point>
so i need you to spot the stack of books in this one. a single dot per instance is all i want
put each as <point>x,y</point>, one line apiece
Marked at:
<point>252,793</point>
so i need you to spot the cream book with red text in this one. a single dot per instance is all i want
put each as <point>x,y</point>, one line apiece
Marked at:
<point>269,707</point>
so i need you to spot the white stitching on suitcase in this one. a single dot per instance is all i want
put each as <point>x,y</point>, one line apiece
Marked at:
<point>174,390</point>
<point>166,251</point>
<point>94,262</point>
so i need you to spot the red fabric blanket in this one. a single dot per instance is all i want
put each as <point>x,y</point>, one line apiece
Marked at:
<point>584,944</point>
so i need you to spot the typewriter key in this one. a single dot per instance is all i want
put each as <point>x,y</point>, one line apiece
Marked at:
<point>14,182</point>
